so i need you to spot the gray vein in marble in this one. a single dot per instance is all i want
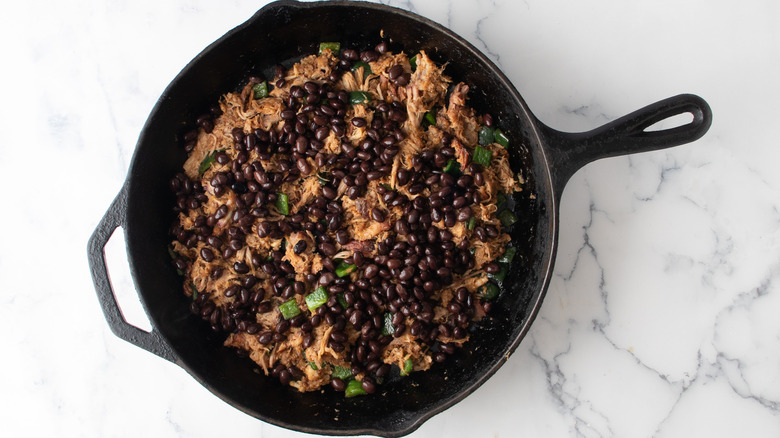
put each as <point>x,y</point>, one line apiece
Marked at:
<point>742,388</point>
<point>568,401</point>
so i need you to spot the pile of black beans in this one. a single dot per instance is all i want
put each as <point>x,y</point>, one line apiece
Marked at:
<point>410,266</point>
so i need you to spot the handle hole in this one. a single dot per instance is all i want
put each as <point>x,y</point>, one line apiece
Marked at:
<point>122,282</point>
<point>672,122</point>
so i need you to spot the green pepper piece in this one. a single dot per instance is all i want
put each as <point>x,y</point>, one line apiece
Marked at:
<point>507,218</point>
<point>500,199</point>
<point>470,223</point>
<point>317,298</point>
<point>500,138</point>
<point>500,275</point>
<point>508,256</point>
<point>208,160</point>
<point>366,68</point>
<point>282,204</point>
<point>332,46</point>
<point>452,167</point>
<point>344,269</point>
<point>289,309</point>
<point>354,387</point>
<point>486,135</point>
<point>489,292</point>
<point>387,326</point>
<point>359,97</point>
<point>482,156</point>
<point>430,117</point>
<point>408,366</point>
<point>261,90</point>
<point>342,373</point>
<point>413,62</point>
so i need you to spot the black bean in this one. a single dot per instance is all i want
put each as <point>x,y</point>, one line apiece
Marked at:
<point>377,214</point>
<point>338,384</point>
<point>206,254</point>
<point>369,56</point>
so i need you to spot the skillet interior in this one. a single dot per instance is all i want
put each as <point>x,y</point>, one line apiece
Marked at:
<point>284,32</point>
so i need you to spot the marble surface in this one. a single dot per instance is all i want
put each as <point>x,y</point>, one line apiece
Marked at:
<point>662,316</point>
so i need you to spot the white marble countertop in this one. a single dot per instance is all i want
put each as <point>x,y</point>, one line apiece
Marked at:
<point>662,316</point>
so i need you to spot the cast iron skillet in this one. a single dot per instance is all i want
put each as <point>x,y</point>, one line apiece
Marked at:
<point>284,31</point>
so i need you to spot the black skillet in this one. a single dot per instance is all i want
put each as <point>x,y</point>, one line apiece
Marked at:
<point>283,32</point>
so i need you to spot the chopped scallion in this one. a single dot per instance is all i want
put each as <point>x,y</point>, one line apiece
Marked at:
<point>261,90</point>
<point>282,204</point>
<point>507,218</point>
<point>482,156</point>
<point>289,309</point>
<point>359,97</point>
<point>332,46</point>
<point>317,298</point>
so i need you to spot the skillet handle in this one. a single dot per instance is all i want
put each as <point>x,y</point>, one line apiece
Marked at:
<point>113,219</point>
<point>571,151</point>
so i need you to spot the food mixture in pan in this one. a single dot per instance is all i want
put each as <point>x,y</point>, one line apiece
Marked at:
<point>345,222</point>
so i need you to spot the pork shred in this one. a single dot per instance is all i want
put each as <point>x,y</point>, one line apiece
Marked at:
<point>262,231</point>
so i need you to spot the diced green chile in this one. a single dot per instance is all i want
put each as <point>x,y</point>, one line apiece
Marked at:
<point>282,204</point>
<point>413,62</point>
<point>500,199</point>
<point>430,117</point>
<point>508,256</point>
<point>486,135</point>
<point>261,90</point>
<point>289,309</point>
<point>482,156</point>
<point>489,292</point>
<point>500,138</point>
<point>507,218</point>
<point>470,223</point>
<point>317,298</point>
<point>359,97</point>
<point>354,387</point>
<point>408,366</point>
<point>452,167</point>
<point>343,269</point>
<point>334,47</point>
<point>366,68</point>
<point>342,373</point>
<point>500,275</point>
